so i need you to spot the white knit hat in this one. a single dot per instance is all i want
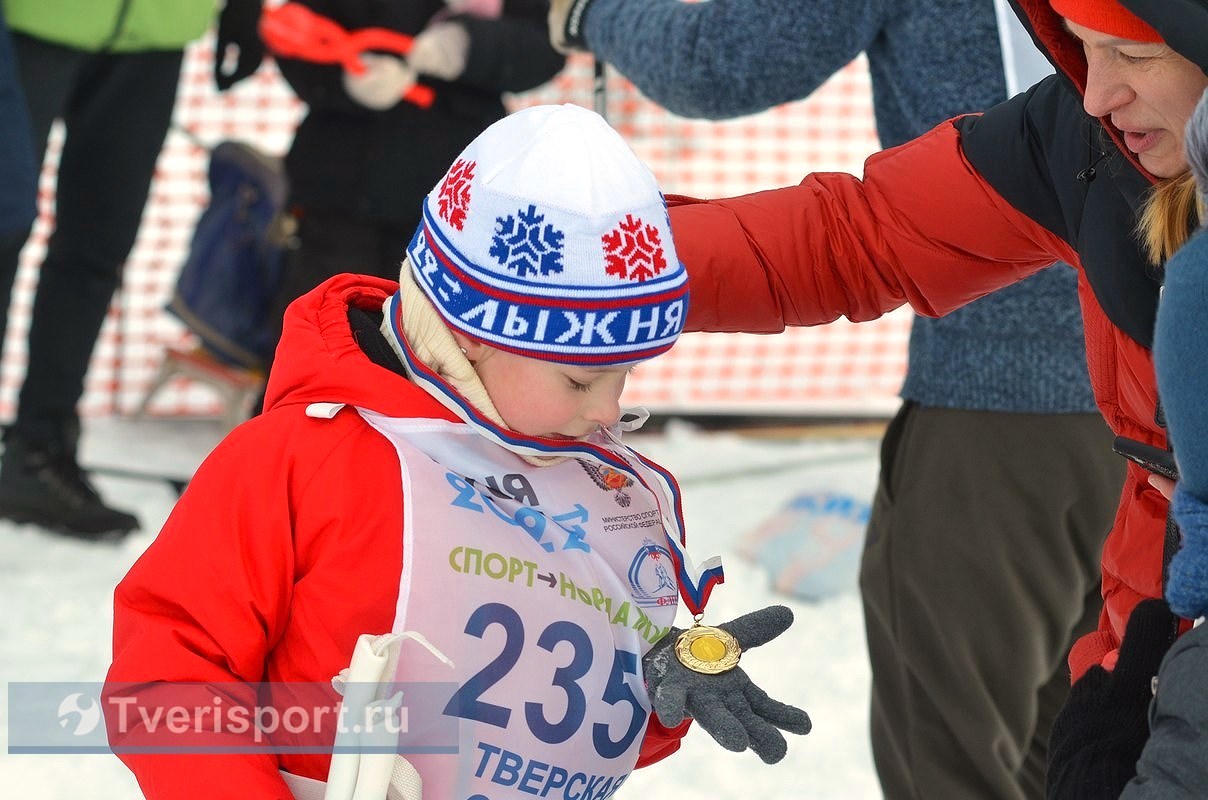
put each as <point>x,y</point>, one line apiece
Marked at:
<point>550,239</point>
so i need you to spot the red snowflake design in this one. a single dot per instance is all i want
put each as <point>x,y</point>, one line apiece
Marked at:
<point>633,250</point>
<point>454,199</point>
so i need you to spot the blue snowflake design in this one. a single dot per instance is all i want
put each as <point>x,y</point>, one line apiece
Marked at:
<point>525,244</point>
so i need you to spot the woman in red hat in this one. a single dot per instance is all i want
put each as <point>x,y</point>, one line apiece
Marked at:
<point>1070,170</point>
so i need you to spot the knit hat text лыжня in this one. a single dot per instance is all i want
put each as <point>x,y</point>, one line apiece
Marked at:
<point>550,239</point>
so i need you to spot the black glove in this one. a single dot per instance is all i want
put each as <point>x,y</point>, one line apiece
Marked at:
<point>239,36</point>
<point>1102,728</point>
<point>566,24</point>
<point>735,712</point>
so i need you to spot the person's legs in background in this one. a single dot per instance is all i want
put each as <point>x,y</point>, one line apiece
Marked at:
<point>981,567</point>
<point>116,109</point>
<point>18,172</point>
<point>47,73</point>
<point>328,243</point>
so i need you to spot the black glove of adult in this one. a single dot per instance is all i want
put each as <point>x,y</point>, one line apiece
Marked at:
<point>735,712</point>
<point>238,39</point>
<point>565,20</point>
<point>1102,728</point>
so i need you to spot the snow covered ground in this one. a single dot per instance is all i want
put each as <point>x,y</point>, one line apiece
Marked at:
<point>55,609</point>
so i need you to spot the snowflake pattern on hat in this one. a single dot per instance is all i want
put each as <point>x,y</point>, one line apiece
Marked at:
<point>633,250</point>
<point>454,198</point>
<point>549,238</point>
<point>525,243</point>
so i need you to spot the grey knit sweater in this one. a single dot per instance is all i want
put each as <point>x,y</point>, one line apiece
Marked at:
<point>1019,349</point>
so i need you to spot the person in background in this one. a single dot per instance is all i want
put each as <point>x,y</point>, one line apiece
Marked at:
<point>1126,734</point>
<point>1071,169</point>
<point>1179,355</point>
<point>419,434</point>
<point>18,172</point>
<point>1172,763</point>
<point>997,455</point>
<point>363,157</point>
<point>108,69</point>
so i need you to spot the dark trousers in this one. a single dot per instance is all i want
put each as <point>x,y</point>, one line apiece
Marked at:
<point>328,244</point>
<point>980,569</point>
<point>116,109</point>
<point>18,174</point>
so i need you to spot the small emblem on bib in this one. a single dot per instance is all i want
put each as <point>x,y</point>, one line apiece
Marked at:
<point>610,480</point>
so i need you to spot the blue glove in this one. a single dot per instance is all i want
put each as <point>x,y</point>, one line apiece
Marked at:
<point>735,712</point>
<point>1187,582</point>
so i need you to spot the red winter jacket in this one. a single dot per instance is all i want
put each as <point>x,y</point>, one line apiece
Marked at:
<point>976,204</point>
<point>283,549</point>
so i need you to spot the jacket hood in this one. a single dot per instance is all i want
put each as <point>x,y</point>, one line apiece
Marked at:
<point>1182,23</point>
<point>319,360</point>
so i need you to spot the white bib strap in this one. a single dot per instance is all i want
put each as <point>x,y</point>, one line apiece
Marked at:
<point>405,784</point>
<point>303,788</point>
<point>372,776</point>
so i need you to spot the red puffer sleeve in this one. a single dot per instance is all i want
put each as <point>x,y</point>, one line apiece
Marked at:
<point>266,571</point>
<point>922,228</point>
<point>660,741</point>
<point>203,605</point>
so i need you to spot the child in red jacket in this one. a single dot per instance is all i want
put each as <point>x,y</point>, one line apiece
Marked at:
<point>437,501</point>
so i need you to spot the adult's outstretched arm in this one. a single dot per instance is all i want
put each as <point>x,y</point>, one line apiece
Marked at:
<point>922,228</point>
<point>717,60</point>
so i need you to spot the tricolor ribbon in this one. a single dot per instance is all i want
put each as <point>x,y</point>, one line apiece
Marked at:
<point>695,581</point>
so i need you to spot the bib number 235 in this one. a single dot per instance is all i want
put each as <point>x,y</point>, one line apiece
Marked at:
<point>467,702</point>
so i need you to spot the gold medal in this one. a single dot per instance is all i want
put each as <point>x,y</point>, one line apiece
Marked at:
<point>708,650</point>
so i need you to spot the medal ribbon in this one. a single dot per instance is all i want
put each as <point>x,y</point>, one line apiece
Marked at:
<point>695,582</point>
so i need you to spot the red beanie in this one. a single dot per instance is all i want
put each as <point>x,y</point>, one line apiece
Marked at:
<point>1106,16</point>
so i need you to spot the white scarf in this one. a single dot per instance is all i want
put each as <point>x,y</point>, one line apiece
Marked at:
<point>434,345</point>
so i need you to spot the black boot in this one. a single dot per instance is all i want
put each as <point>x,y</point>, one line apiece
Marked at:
<point>46,487</point>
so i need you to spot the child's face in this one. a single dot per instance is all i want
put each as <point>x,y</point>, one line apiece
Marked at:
<point>541,398</point>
